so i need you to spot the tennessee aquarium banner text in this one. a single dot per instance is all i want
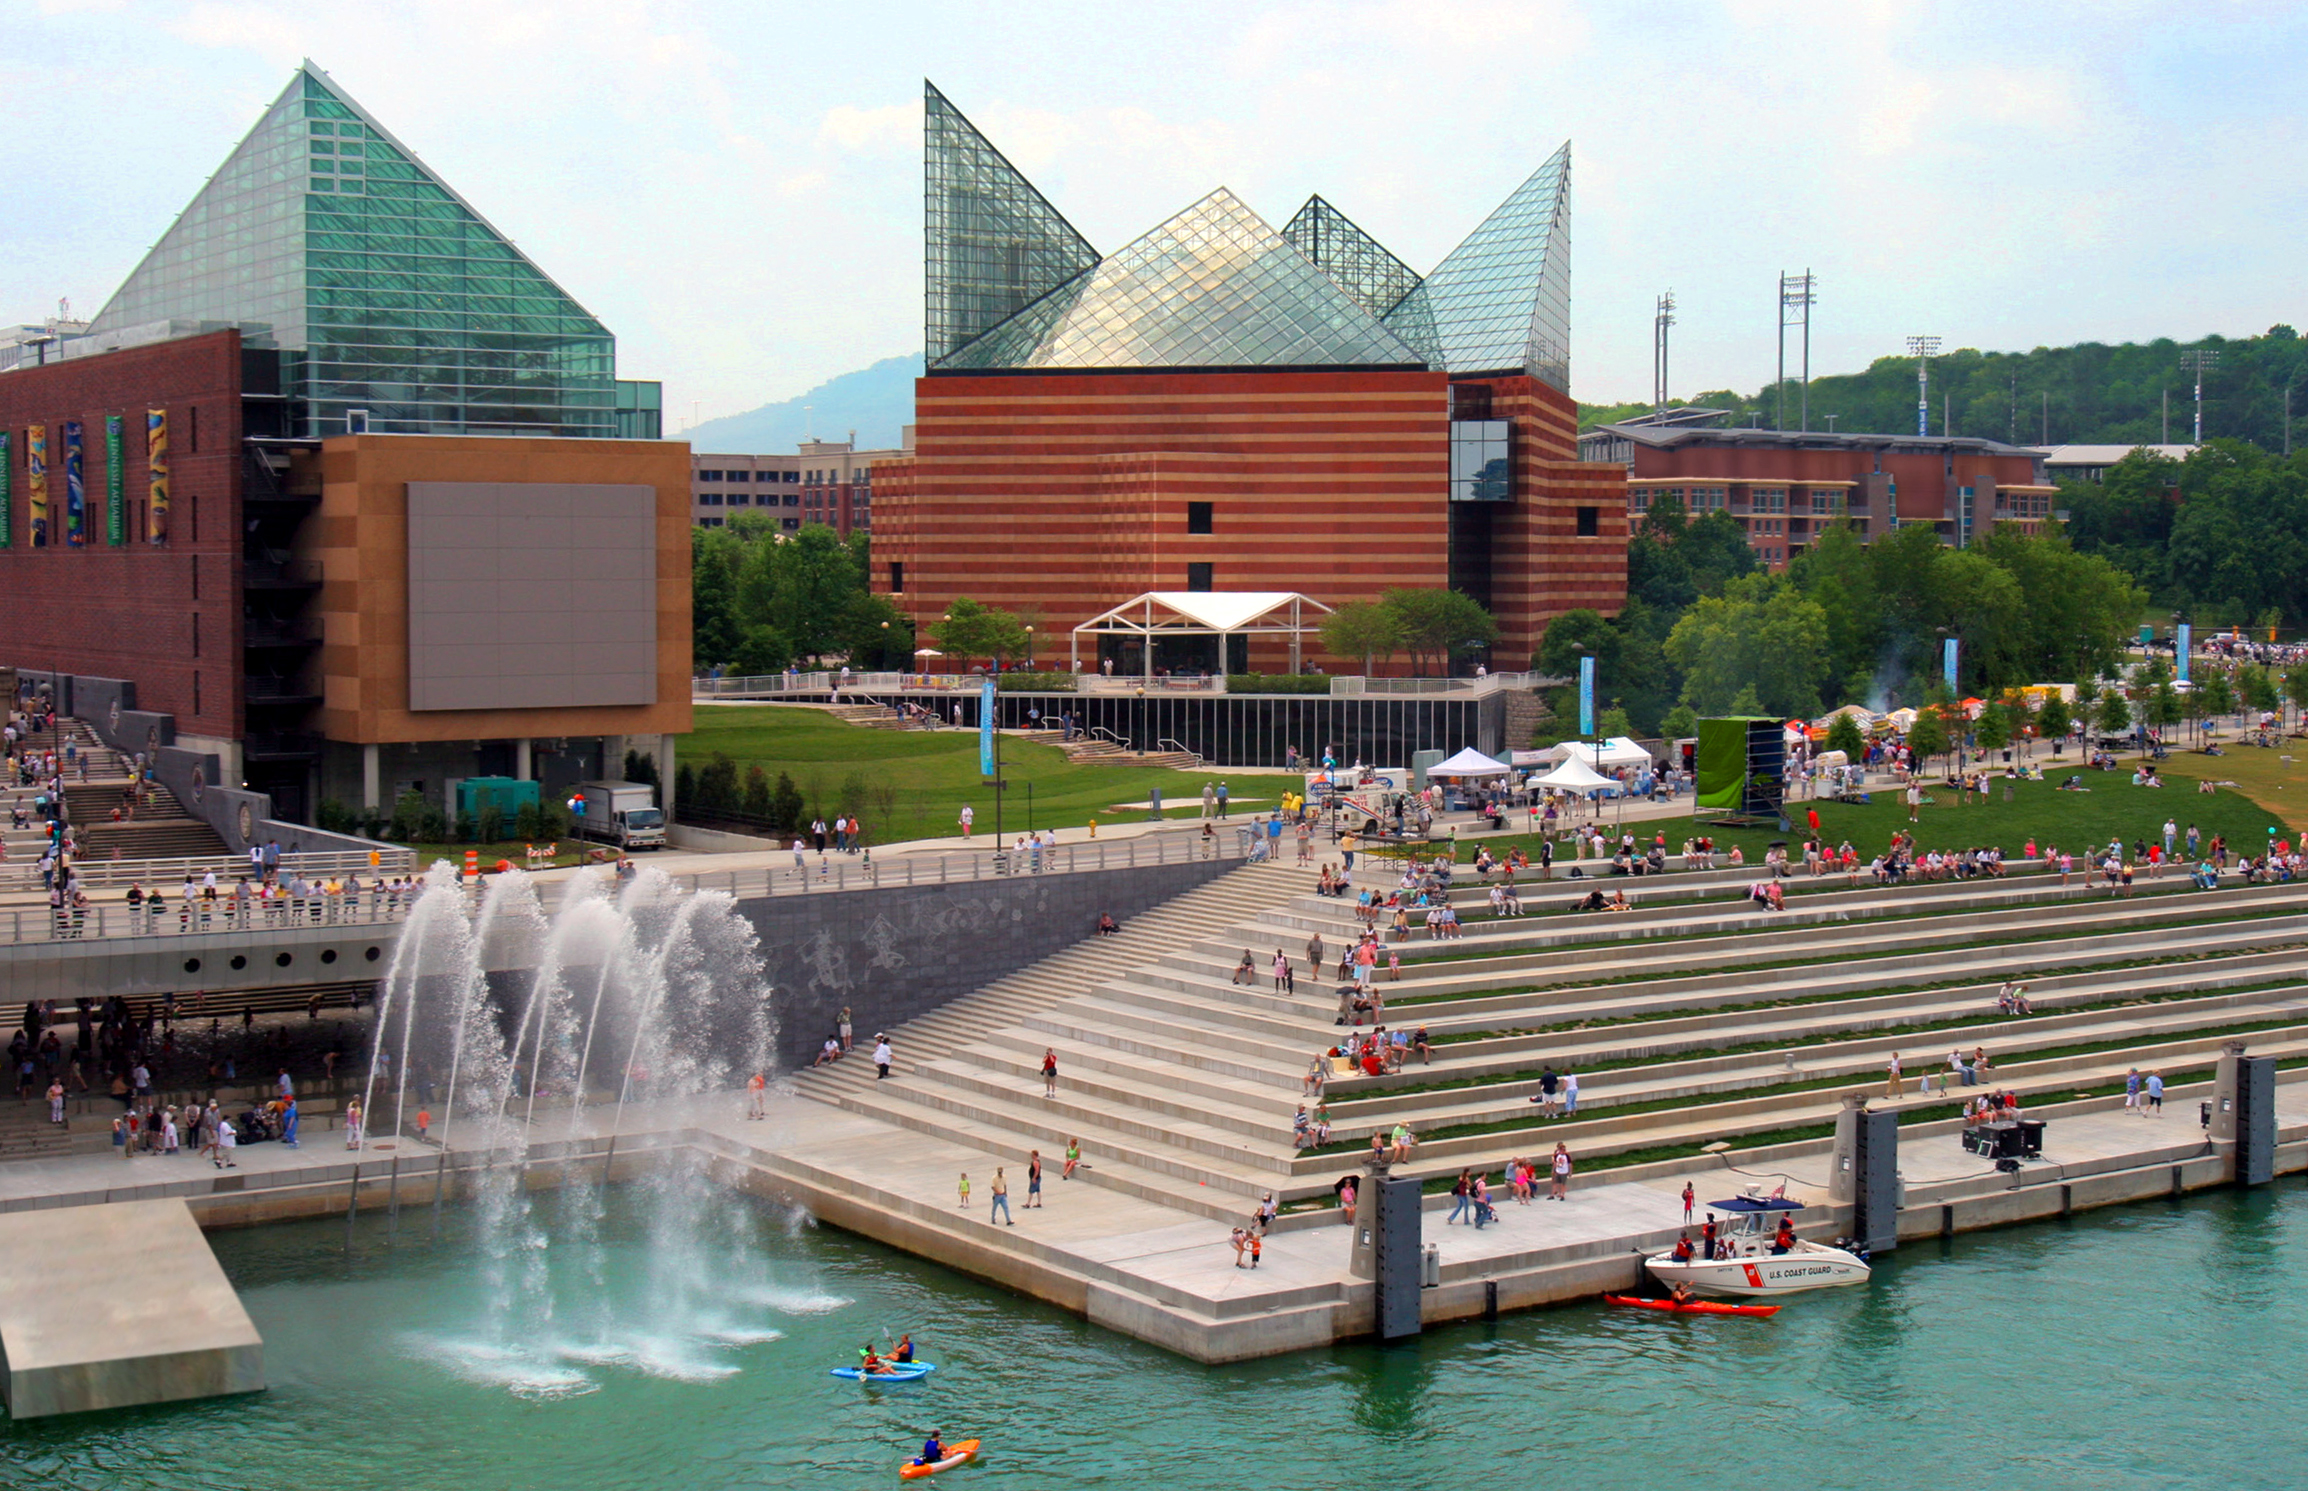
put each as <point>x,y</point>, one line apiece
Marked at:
<point>115,482</point>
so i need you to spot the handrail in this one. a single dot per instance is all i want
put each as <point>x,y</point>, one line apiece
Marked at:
<point>1167,744</point>
<point>1109,736</point>
<point>374,908</point>
<point>167,873</point>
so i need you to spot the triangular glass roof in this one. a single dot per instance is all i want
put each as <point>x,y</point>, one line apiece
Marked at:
<point>387,291</point>
<point>1501,300</point>
<point>1359,264</point>
<point>993,245</point>
<point>1214,286</point>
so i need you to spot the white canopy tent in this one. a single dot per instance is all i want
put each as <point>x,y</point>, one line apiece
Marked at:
<point>1572,776</point>
<point>1208,613</point>
<point>1469,763</point>
<point>1617,751</point>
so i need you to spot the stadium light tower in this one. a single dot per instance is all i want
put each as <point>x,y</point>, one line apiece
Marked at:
<point>1923,349</point>
<point>1659,324</point>
<point>2200,360</point>
<point>1796,297</point>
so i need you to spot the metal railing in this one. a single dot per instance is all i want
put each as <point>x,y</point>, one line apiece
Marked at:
<point>169,874</point>
<point>1167,744</point>
<point>375,907</point>
<point>1348,686</point>
<point>1102,733</point>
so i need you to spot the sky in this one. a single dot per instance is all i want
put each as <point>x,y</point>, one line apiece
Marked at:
<point>735,188</point>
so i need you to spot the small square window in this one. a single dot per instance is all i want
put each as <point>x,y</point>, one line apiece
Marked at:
<point>1198,517</point>
<point>1198,576</point>
<point>1590,521</point>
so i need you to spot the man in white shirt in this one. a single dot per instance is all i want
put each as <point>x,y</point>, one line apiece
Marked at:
<point>882,1057</point>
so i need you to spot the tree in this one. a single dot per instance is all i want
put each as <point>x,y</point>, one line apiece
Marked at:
<point>2296,687</point>
<point>801,585</point>
<point>2054,720</point>
<point>875,634</point>
<point>1759,635</point>
<point>970,630</point>
<point>1363,630</point>
<point>715,557</point>
<point>1928,737</point>
<point>1844,734</point>
<point>2114,716</point>
<point>1993,729</point>
<point>2216,693</point>
<point>1574,634</point>
<point>1612,723</point>
<point>2258,688</point>
<point>2161,710</point>
<point>1681,723</point>
<point>1437,625</point>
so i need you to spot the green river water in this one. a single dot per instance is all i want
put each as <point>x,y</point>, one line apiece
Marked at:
<point>2149,1346</point>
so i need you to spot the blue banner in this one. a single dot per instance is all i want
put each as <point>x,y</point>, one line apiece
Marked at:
<point>1586,697</point>
<point>2182,637</point>
<point>1947,663</point>
<point>75,486</point>
<point>986,728</point>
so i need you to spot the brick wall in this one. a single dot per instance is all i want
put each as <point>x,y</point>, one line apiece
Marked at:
<point>1541,565</point>
<point>167,616</point>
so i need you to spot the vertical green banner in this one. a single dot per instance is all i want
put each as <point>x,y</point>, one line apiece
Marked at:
<point>7,489</point>
<point>115,483</point>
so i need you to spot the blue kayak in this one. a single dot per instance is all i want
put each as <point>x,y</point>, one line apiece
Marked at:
<point>909,1372</point>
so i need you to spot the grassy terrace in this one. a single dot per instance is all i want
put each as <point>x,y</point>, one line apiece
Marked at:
<point>911,784</point>
<point>1535,1122</point>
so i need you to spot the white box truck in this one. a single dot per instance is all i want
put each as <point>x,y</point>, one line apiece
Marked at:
<point>620,813</point>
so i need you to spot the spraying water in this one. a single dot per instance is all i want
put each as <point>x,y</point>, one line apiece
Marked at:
<point>543,1032</point>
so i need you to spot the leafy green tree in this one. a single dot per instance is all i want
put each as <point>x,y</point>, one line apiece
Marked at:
<point>2257,687</point>
<point>1680,723</point>
<point>2296,687</point>
<point>1928,736</point>
<point>1438,624</point>
<point>2055,719</point>
<point>1844,734</point>
<point>970,631</point>
<point>1613,723</point>
<point>1993,728</point>
<point>1361,631</point>
<point>756,801</point>
<point>1759,635</point>
<point>761,649</point>
<point>876,635</point>
<point>715,556</point>
<point>2162,709</point>
<point>2113,714</point>
<point>2216,693</point>
<point>1573,634</point>
<point>785,804</point>
<point>801,586</point>
<point>1747,703</point>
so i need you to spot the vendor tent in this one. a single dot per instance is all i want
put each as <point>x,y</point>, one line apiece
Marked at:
<point>1617,751</point>
<point>1469,763</point>
<point>1573,776</point>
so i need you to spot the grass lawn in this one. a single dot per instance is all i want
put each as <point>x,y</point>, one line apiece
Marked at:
<point>916,781</point>
<point>2112,808</point>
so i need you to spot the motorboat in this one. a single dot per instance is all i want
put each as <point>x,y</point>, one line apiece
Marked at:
<point>1747,1261</point>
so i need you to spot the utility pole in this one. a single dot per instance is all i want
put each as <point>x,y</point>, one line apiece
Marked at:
<point>2198,360</point>
<point>1659,324</point>
<point>1797,294</point>
<point>2167,440</point>
<point>1922,349</point>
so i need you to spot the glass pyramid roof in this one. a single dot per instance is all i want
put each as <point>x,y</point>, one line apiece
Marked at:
<point>1212,287</point>
<point>1358,262</point>
<point>993,245</point>
<point>1501,300</point>
<point>383,288</point>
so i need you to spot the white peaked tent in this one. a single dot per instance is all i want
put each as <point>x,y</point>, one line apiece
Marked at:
<point>1469,763</point>
<point>1573,775</point>
<point>1617,751</point>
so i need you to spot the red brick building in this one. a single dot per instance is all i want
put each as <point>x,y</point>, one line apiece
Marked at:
<point>161,606</point>
<point>1219,406</point>
<point>1785,488</point>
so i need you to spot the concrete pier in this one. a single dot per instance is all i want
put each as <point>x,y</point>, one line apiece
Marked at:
<point>115,1306</point>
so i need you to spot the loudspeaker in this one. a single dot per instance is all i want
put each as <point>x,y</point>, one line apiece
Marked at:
<point>1875,1182</point>
<point>2255,1120</point>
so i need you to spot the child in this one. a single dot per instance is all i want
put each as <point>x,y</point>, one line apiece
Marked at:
<point>1393,966</point>
<point>1073,1158</point>
<point>1256,1246</point>
<point>965,1188</point>
<point>424,1121</point>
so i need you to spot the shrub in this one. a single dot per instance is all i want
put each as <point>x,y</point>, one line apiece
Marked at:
<point>492,823</point>
<point>785,804</point>
<point>553,821</point>
<point>433,825</point>
<point>334,817</point>
<point>756,793</point>
<point>408,819</point>
<point>528,822</point>
<point>1035,683</point>
<point>467,828</point>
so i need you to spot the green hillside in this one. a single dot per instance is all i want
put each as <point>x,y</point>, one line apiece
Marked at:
<point>2087,394</point>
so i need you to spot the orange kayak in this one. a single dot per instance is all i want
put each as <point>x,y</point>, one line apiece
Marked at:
<point>959,1453</point>
<point>1690,1307</point>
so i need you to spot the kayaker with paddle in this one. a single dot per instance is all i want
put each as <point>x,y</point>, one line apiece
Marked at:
<point>904,1355</point>
<point>1681,1294</point>
<point>932,1450</point>
<point>870,1363</point>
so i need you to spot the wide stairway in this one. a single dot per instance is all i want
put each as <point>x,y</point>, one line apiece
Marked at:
<point>159,829</point>
<point>1698,1017</point>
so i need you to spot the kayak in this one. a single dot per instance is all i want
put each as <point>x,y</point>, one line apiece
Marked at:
<point>907,1372</point>
<point>1691,1307</point>
<point>956,1454</point>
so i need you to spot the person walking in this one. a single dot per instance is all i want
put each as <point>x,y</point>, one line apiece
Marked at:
<point>227,1141</point>
<point>969,817</point>
<point>352,1125</point>
<point>882,1057</point>
<point>56,1102</point>
<point>1049,1071</point>
<point>1033,1180</point>
<point>288,1121</point>
<point>2155,1094</point>
<point>1559,1187</point>
<point>1894,1082</point>
<point>1570,1094</point>
<point>2132,1093</point>
<point>756,1088</point>
<point>1462,1198</point>
<point>964,1190</point>
<point>1690,1196</point>
<point>1001,1199</point>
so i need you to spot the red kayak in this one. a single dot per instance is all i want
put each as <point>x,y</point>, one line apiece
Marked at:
<point>1690,1307</point>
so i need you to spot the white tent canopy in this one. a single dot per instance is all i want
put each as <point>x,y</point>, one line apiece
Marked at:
<point>1617,751</point>
<point>1208,613</point>
<point>1469,763</point>
<point>1573,776</point>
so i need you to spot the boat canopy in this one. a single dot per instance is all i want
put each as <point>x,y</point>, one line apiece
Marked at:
<point>1756,1204</point>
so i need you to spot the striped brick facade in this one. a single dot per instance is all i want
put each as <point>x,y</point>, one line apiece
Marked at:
<point>1059,495</point>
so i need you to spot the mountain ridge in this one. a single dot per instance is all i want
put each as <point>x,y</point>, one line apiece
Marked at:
<point>875,402</point>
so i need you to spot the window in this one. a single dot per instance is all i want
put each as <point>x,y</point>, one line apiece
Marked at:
<point>791,524</point>
<point>897,578</point>
<point>709,476</point>
<point>709,499</point>
<point>1639,500</point>
<point>709,522</point>
<point>1480,469</point>
<point>1198,577</point>
<point>793,499</point>
<point>1590,521</point>
<point>1198,517</point>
